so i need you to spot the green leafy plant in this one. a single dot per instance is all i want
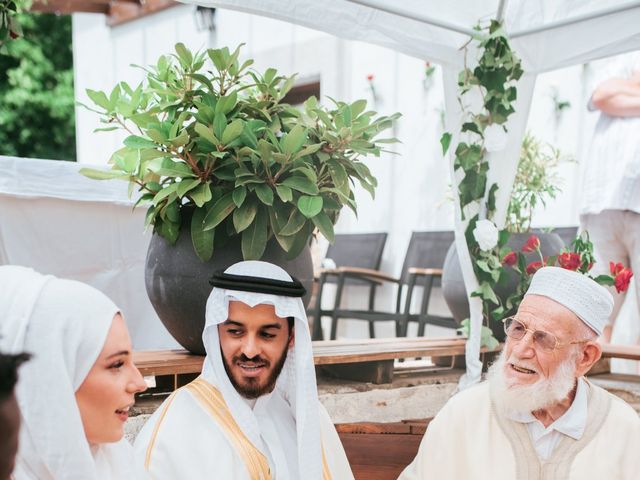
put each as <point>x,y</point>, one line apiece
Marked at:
<point>536,182</point>
<point>37,109</point>
<point>220,150</point>
<point>10,28</point>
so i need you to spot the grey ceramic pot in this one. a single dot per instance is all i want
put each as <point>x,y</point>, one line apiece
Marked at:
<point>453,285</point>
<point>177,281</point>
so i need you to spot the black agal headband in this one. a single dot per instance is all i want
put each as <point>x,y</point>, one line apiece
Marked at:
<point>246,283</point>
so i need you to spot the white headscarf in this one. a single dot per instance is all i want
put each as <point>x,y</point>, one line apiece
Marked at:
<point>64,325</point>
<point>297,381</point>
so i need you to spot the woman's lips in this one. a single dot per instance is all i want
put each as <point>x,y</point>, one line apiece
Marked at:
<point>123,413</point>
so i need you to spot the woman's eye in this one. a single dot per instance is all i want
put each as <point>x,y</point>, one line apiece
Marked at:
<point>117,364</point>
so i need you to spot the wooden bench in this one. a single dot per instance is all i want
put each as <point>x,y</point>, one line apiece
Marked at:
<point>380,451</point>
<point>364,360</point>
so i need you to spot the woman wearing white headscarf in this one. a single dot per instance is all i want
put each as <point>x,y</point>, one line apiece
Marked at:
<point>74,394</point>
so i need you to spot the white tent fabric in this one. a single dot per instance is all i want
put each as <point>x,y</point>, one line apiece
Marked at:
<point>58,222</point>
<point>546,34</point>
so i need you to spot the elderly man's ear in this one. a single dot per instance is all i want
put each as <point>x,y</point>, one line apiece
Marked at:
<point>591,353</point>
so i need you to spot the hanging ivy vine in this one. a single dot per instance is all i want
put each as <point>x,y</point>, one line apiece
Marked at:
<point>495,76</point>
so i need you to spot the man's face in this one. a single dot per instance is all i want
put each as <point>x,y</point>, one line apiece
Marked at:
<point>254,342</point>
<point>10,428</point>
<point>525,361</point>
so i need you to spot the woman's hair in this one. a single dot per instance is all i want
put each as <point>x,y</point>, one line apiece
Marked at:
<point>9,372</point>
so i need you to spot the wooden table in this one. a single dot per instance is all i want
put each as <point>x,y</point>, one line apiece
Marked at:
<point>365,360</point>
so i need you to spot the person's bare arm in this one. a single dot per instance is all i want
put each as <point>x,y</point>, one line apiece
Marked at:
<point>618,97</point>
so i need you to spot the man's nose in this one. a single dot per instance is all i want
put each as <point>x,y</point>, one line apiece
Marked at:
<point>251,346</point>
<point>524,347</point>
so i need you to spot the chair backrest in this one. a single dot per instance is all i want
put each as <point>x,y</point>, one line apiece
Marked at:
<point>567,234</point>
<point>362,250</point>
<point>426,250</point>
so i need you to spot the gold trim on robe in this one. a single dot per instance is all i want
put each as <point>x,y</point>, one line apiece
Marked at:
<point>212,401</point>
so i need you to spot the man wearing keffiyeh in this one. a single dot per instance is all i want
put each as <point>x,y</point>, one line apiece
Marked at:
<point>254,412</point>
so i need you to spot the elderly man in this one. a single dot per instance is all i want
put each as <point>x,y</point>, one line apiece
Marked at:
<point>254,413</point>
<point>537,417</point>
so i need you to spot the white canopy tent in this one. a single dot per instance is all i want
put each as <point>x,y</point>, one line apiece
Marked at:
<point>545,34</point>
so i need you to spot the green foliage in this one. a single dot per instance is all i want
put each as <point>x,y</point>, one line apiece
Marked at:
<point>10,27</point>
<point>536,181</point>
<point>219,142</point>
<point>37,117</point>
<point>495,76</point>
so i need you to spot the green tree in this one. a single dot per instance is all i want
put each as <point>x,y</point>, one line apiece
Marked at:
<point>37,117</point>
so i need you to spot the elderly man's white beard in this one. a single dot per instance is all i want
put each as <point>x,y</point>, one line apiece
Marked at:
<point>541,394</point>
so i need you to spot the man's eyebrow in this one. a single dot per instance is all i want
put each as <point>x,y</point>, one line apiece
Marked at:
<point>117,354</point>
<point>271,325</point>
<point>233,322</point>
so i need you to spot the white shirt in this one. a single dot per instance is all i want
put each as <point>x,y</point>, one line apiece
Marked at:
<point>572,423</point>
<point>611,167</point>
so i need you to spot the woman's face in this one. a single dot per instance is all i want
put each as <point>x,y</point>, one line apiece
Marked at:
<point>107,393</point>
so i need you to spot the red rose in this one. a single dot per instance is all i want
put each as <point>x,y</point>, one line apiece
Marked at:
<point>622,280</point>
<point>533,267</point>
<point>570,260</point>
<point>531,245</point>
<point>615,268</point>
<point>370,77</point>
<point>510,259</point>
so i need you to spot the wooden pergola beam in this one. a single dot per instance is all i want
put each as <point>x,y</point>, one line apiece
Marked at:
<point>66,7</point>
<point>122,12</point>
<point>117,11</point>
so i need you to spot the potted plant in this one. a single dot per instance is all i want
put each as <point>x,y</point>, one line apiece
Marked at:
<point>228,171</point>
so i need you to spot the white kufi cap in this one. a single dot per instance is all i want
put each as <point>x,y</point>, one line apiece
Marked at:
<point>592,303</point>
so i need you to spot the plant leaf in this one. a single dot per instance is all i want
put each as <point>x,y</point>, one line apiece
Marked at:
<point>238,195</point>
<point>243,216</point>
<point>201,195</point>
<point>294,224</point>
<point>220,210</point>
<point>301,184</point>
<point>264,193</point>
<point>284,192</point>
<point>254,238</point>
<point>323,222</point>
<point>310,206</point>
<point>138,143</point>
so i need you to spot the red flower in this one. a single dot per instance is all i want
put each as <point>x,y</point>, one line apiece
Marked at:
<point>510,259</point>
<point>615,268</point>
<point>570,260</point>
<point>531,245</point>
<point>370,77</point>
<point>622,280</point>
<point>533,267</point>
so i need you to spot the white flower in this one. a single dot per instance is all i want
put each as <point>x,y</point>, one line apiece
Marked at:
<point>495,138</point>
<point>486,234</point>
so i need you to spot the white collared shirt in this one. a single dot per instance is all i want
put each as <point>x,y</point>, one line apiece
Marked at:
<point>572,423</point>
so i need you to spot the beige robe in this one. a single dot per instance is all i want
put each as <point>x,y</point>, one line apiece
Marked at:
<point>471,439</point>
<point>193,436</point>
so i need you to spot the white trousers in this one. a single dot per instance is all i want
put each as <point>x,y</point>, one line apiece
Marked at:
<point>616,237</point>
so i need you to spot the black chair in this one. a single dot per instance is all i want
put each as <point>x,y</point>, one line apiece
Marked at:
<point>567,234</point>
<point>356,251</point>
<point>422,267</point>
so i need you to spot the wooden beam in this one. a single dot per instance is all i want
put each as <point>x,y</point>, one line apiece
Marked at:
<point>126,11</point>
<point>66,7</point>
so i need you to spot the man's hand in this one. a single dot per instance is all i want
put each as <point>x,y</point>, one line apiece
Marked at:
<point>619,97</point>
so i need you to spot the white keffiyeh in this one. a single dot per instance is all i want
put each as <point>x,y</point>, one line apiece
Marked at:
<point>297,381</point>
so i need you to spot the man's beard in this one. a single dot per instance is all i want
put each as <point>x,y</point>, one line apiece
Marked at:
<point>251,388</point>
<point>536,396</point>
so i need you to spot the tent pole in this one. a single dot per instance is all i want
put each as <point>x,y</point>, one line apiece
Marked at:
<point>576,19</point>
<point>501,9</point>
<point>400,12</point>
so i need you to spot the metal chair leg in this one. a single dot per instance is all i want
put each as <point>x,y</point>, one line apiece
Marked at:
<point>336,306</point>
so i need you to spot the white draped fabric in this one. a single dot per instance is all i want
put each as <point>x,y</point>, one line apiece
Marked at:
<point>546,34</point>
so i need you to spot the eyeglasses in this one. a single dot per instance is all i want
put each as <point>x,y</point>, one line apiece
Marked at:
<point>515,329</point>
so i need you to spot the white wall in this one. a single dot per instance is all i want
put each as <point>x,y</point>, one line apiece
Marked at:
<point>414,185</point>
